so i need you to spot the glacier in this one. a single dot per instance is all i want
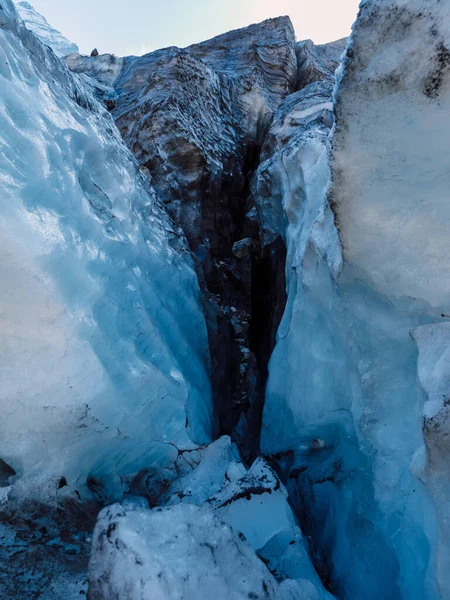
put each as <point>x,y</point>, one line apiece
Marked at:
<point>100,370</point>
<point>49,36</point>
<point>195,118</point>
<point>225,321</point>
<point>344,414</point>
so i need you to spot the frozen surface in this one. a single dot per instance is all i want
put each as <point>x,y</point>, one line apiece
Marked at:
<point>104,357</point>
<point>44,31</point>
<point>256,505</point>
<point>433,466</point>
<point>391,162</point>
<point>390,165</point>
<point>180,553</point>
<point>209,476</point>
<point>253,502</point>
<point>343,413</point>
<point>104,362</point>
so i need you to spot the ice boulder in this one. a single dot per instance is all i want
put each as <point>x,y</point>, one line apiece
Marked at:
<point>184,552</point>
<point>218,463</point>
<point>253,502</point>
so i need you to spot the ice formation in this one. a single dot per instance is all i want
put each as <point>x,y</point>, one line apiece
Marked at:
<point>195,125</point>
<point>181,553</point>
<point>170,223</point>
<point>44,31</point>
<point>215,508</point>
<point>101,370</point>
<point>344,403</point>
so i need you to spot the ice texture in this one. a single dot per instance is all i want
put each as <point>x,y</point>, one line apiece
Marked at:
<point>104,355</point>
<point>105,368</point>
<point>209,476</point>
<point>179,553</point>
<point>432,465</point>
<point>391,162</point>
<point>344,414</point>
<point>38,24</point>
<point>195,544</point>
<point>194,119</point>
<point>254,502</point>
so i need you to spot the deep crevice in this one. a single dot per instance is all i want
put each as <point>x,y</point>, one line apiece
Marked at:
<point>244,300</point>
<point>268,299</point>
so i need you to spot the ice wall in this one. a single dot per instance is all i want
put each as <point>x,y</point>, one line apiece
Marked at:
<point>344,405</point>
<point>434,375</point>
<point>104,355</point>
<point>391,162</point>
<point>390,192</point>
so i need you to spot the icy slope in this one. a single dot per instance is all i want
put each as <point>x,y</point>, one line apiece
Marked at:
<point>104,356</point>
<point>44,31</point>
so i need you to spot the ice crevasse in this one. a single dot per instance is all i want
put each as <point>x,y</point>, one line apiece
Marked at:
<point>105,367</point>
<point>104,356</point>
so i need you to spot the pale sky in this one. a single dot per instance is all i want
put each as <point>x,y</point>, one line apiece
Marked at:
<point>140,26</point>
